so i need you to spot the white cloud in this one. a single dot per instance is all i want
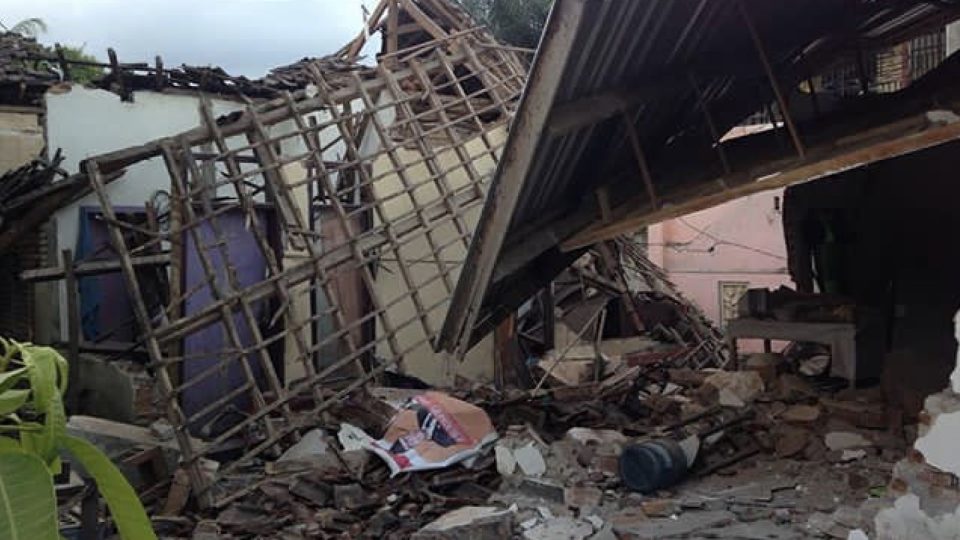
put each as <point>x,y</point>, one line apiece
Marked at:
<point>245,37</point>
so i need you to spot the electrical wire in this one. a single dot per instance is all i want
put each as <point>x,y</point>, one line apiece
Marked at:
<point>721,242</point>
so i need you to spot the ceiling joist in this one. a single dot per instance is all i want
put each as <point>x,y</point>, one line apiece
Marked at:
<point>886,142</point>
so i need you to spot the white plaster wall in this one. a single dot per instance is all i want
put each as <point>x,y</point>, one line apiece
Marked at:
<point>421,360</point>
<point>21,138</point>
<point>86,122</point>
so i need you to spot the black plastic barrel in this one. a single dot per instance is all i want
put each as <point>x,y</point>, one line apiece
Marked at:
<point>652,465</point>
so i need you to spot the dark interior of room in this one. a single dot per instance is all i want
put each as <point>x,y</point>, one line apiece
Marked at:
<point>891,227</point>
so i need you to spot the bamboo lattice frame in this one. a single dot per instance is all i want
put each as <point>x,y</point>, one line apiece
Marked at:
<point>347,141</point>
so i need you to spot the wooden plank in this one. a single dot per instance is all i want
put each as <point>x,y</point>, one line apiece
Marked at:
<point>749,183</point>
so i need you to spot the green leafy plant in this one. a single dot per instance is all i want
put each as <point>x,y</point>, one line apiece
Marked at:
<point>33,436</point>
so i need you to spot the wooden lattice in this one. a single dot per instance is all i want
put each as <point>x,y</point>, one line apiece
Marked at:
<point>374,150</point>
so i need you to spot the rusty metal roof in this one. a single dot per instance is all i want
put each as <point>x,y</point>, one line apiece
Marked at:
<point>679,73</point>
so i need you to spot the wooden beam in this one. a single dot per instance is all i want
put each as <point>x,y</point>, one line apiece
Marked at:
<point>641,160</point>
<point>580,113</point>
<point>428,24</point>
<point>91,268</point>
<point>774,84</point>
<point>514,166</point>
<point>827,163</point>
<point>393,19</point>
<point>715,137</point>
<point>273,113</point>
<point>585,111</point>
<point>358,42</point>
<point>603,202</point>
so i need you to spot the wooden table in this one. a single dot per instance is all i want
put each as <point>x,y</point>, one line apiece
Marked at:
<point>840,337</point>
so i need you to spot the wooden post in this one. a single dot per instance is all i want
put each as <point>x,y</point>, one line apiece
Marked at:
<point>64,64</point>
<point>768,68</point>
<point>711,125</point>
<point>504,337</point>
<point>117,73</point>
<point>73,332</point>
<point>641,160</point>
<point>393,16</point>
<point>158,76</point>
<point>549,317</point>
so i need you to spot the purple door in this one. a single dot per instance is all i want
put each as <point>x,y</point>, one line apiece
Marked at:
<point>204,348</point>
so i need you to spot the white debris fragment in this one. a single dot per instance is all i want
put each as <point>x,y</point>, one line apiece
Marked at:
<point>506,463</point>
<point>351,437</point>
<point>529,524</point>
<point>530,460</point>
<point>736,388</point>
<point>853,455</point>
<point>845,440</point>
<point>690,447</point>
<point>313,444</point>
<point>596,521</point>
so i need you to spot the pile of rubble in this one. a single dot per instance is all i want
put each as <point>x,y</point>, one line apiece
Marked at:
<point>650,451</point>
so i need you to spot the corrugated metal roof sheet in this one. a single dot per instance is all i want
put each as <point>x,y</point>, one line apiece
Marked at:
<point>644,60</point>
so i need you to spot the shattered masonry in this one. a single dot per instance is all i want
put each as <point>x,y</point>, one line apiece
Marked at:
<point>393,163</point>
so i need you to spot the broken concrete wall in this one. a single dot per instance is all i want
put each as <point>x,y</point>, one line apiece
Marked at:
<point>21,140</point>
<point>927,482</point>
<point>85,122</point>
<point>21,136</point>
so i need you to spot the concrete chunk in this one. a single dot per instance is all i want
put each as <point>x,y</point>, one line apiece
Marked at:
<point>655,529</point>
<point>561,528</point>
<point>469,523</point>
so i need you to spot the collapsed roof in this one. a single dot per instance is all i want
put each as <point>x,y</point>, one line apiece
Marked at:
<point>362,172</point>
<point>627,102</point>
<point>22,77</point>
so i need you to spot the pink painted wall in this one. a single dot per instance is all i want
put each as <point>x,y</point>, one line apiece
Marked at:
<point>740,241</point>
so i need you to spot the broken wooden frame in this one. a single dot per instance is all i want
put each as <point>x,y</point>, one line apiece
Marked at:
<point>377,151</point>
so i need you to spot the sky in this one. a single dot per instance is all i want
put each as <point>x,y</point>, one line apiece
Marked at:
<point>245,37</point>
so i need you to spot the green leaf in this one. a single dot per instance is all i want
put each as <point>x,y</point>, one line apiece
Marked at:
<point>10,348</point>
<point>52,361</point>
<point>12,400</point>
<point>42,370</point>
<point>9,445</point>
<point>9,378</point>
<point>128,513</point>
<point>44,443</point>
<point>28,506</point>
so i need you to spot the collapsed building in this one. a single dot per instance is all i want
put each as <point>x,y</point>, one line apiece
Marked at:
<point>288,255</point>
